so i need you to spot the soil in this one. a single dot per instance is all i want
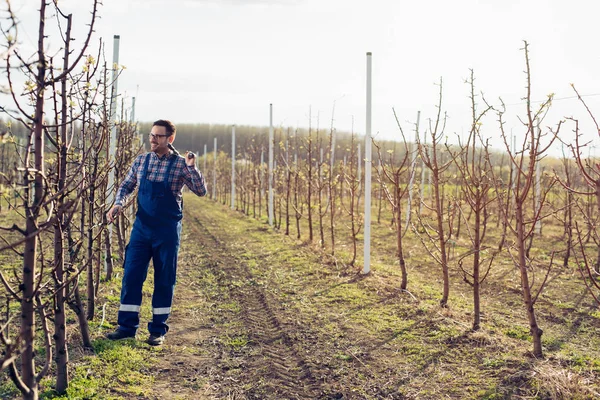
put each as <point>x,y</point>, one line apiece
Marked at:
<point>258,315</point>
<point>201,358</point>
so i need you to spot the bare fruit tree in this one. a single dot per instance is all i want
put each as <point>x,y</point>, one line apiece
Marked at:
<point>51,191</point>
<point>473,164</point>
<point>351,177</point>
<point>396,175</point>
<point>436,236</point>
<point>588,263</point>
<point>527,213</point>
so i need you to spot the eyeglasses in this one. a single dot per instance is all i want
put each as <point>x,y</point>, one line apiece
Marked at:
<point>153,135</point>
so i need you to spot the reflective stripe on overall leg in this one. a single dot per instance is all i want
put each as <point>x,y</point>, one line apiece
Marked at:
<point>165,249</point>
<point>135,269</point>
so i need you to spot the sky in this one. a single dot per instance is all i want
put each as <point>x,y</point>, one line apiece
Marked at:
<point>225,61</point>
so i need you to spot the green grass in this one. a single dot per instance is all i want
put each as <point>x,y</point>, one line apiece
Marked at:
<point>325,289</point>
<point>518,332</point>
<point>123,365</point>
<point>237,342</point>
<point>369,336</point>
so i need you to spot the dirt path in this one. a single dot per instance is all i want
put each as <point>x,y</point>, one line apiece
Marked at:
<point>226,339</point>
<point>183,361</point>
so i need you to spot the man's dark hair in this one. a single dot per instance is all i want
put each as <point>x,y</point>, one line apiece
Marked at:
<point>167,124</point>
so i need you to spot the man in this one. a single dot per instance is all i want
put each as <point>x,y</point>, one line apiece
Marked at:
<point>160,175</point>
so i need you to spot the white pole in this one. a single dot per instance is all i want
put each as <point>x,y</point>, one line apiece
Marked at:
<point>271,164</point>
<point>132,110</point>
<point>359,162</point>
<point>113,132</point>
<point>262,172</point>
<point>113,119</point>
<point>368,164</point>
<point>134,125</point>
<point>422,191</point>
<point>205,157</point>
<point>332,150</point>
<point>233,167</point>
<point>413,167</point>
<point>214,191</point>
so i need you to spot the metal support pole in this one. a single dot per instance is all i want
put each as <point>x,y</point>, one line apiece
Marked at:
<point>214,191</point>
<point>233,167</point>
<point>111,189</point>
<point>413,168</point>
<point>368,166</point>
<point>205,157</point>
<point>271,211</point>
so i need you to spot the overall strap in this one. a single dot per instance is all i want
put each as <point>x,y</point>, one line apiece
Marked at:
<point>169,168</point>
<point>145,170</point>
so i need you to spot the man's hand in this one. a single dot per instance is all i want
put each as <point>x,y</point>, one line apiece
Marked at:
<point>112,213</point>
<point>190,159</point>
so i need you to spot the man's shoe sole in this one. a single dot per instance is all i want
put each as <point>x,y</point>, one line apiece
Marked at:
<point>155,342</point>
<point>111,336</point>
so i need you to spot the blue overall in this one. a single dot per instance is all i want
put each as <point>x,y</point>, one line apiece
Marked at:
<point>155,235</point>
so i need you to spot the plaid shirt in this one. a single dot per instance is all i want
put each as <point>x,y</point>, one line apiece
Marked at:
<point>180,175</point>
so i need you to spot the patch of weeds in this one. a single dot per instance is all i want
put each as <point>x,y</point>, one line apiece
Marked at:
<point>117,367</point>
<point>295,262</point>
<point>379,319</point>
<point>490,394</point>
<point>347,294</point>
<point>443,332</point>
<point>584,362</point>
<point>238,283</point>
<point>565,305</point>
<point>493,363</point>
<point>344,356</point>
<point>406,334</point>
<point>232,306</point>
<point>552,343</point>
<point>431,295</point>
<point>94,325</point>
<point>8,390</point>
<point>518,332</point>
<point>80,389</point>
<point>113,298</point>
<point>252,263</point>
<point>237,342</point>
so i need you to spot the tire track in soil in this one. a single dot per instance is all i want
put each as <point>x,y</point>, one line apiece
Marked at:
<point>281,371</point>
<point>184,364</point>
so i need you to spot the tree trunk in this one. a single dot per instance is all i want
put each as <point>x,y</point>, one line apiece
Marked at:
<point>404,282</point>
<point>60,326</point>
<point>90,249</point>
<point>287,196</point>
<point>441,238</point>
<point>536,332</point>
<point>309,189</point>
<point>27,329</point>
<point>320,205</point>
<point>598,205</point>
<point>108,254</point>
<point>77,307</point>
<point>476,265</point>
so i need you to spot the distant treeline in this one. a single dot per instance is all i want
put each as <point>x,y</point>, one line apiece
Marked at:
<point>253,139</point>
